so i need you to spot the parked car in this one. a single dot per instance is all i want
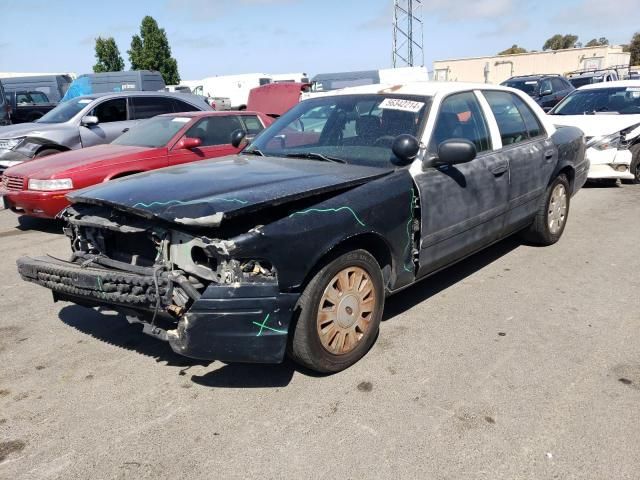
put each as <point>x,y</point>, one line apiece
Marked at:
<point>295,243</point>
<point>87,121</point>
<point>109,82</point>
<point>276,98</point>
<point>609,115</point>
<point>580,78</point>
<point>546,90</point>
<point>38,188</point>
<point>28,106</point>
<point>5,109</point>
<point>53,86</point>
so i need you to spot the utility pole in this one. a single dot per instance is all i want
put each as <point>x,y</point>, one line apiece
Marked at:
<point>408,33</point>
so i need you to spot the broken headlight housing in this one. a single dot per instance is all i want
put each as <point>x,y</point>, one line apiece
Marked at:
<point>607,142</point>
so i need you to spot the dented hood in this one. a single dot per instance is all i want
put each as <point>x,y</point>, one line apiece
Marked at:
<point>206,193</point>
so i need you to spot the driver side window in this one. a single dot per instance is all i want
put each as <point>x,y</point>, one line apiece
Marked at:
<point>461,116</point>
<point>111,111</point>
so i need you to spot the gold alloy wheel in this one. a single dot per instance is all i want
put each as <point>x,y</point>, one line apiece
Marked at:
<point>557,208</point>
<point>346,310</point>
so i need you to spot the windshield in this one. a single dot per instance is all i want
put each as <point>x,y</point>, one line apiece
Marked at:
<point>155,132</point>
<point>618,100</point>
<point>355,129</point>
<point>65,111</point>
<point>530,87</point>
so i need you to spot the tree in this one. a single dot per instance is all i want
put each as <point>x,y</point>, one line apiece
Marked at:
<point>151,51</point>
<point>561,42</point>
<point>108,56</point>
<point>634,48</point>
<point>598,42</point>
<point>514,50</point>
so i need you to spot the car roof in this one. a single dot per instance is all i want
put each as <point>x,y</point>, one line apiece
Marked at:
<point>178,95</point>
<point>223,113</point>
<point>616,84</point>
<point>428,89</point>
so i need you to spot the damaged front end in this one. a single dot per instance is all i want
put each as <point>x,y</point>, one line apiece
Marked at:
<point>188,289</point>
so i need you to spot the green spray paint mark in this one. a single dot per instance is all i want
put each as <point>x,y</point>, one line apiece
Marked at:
<point>408,266</point>
<point>100,283</point>
<point>329,210</point>
<point>263,326</point>
<point>178,202</point>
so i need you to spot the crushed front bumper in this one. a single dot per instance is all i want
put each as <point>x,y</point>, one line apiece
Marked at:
<point>610,164</point>
<point>231,323</point>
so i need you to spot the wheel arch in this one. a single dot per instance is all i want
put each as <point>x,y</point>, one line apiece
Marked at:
<point>372,242</point>
<point>51,146</point>
<point>570,173</point>
<point>122,174</point>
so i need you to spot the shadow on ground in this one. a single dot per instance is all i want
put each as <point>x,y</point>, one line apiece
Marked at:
<point>40,224</point>
<point>114,329</point>
<point>431,286</point>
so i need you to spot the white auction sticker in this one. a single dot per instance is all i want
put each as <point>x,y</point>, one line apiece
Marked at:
<point>401,104</point>
<point>85,101</point>
<point>181,119</point>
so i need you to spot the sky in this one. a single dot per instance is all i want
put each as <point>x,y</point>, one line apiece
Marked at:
<point>219,37</point>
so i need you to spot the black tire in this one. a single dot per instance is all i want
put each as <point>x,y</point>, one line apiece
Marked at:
<point>635,163</point>
<point>306,346</point>
<point>46,152</point>
<point>540,232</point>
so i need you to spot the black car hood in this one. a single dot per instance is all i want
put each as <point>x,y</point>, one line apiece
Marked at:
<point>205,193</point>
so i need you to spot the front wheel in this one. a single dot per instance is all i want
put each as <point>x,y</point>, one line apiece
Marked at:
<point>551,218</point>
<point>340,313</point>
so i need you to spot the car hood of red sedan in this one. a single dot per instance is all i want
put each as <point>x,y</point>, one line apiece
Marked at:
<point>74,161</point>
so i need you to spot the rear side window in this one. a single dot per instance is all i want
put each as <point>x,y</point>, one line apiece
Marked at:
<point>252,124</point>
<point>460,116</point>
<point>111,111</point>
<point>147,107</point>
<point>510,121</point>
<point>180,106</point>
<point>531,121</point>
<point>215,130</point>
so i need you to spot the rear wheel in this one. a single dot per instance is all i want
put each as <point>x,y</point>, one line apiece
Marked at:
<point>340,313</point>
<point>551,219</point>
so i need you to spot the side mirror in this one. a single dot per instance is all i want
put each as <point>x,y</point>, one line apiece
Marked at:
<point>405,147</point>
<point>456,151</point>
<point>189,143</point>
<point>89,121</point>
<point>545,93</point>
<point>237,137</point>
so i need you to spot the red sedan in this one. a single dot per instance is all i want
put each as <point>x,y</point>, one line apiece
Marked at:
<point>38,187</point>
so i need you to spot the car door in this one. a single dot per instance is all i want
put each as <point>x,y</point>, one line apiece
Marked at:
<point>529,150</point>
<point>113,121</point>
<point>462,206</point>
<point>214,133</point>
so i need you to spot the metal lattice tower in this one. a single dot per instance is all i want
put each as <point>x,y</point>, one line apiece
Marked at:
<point>408,33</point>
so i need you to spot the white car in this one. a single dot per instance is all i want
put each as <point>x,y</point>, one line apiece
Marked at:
<point>609,116</point>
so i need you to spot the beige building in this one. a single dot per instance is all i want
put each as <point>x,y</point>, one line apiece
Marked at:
<point>497,69</point>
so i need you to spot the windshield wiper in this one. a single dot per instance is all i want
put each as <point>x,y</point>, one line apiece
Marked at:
<point>315,156</point>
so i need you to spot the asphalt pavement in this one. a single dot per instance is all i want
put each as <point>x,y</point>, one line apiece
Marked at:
<point>518,363</point>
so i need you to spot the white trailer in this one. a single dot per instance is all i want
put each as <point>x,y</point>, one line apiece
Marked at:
<point>234,87</point>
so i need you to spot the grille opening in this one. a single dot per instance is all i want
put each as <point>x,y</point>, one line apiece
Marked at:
<point>133,248</point>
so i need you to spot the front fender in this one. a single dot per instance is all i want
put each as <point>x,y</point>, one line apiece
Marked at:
<point>297,242</point>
